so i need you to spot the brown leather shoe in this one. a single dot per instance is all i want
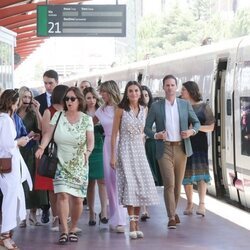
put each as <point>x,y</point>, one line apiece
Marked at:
<point>172,224</point>
<point>177,219</point>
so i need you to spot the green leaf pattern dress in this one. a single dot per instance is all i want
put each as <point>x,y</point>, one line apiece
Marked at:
<point>72,173</point>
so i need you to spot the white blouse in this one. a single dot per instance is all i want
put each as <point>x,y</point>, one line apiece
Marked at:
<point>11,183</point>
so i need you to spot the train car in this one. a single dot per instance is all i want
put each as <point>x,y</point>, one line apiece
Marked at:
<point>7,44</point>
<point>223,73</point>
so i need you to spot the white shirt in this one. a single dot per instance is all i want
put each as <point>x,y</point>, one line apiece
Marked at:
<point>11,184</point>
<point>48,96</point>
<point>172,122</point>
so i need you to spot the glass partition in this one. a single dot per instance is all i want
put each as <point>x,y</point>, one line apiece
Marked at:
<point>7,42</point>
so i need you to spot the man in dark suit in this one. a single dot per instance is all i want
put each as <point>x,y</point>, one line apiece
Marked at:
<point>50,79</point>
<point>172,117</point>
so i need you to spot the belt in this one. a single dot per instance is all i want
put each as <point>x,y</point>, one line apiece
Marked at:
<point>173,143</point>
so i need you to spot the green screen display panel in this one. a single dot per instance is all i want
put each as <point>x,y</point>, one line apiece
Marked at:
<point>81,20</point>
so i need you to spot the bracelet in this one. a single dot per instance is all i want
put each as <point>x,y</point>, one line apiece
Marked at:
<point>89,150</point>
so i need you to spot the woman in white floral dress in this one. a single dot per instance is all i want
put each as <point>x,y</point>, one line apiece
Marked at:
<point>75,141</point>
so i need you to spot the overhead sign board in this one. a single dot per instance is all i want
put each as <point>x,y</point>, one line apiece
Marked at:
<point>81,20</point>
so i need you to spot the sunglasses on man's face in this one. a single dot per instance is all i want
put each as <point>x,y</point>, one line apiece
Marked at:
<point>71,98</point>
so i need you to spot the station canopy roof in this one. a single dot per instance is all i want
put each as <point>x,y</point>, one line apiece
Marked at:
<point>20,17</point>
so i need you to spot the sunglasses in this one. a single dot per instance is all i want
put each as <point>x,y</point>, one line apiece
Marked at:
<point>15,94</point>
<point>71,98</point>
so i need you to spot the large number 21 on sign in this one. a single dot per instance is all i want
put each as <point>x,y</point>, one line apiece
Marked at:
<point>54,27</point>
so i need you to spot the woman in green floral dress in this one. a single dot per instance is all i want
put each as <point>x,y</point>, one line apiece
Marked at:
<point>75,141</point>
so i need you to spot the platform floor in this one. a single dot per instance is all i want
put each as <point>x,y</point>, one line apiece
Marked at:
<point>224,227</point>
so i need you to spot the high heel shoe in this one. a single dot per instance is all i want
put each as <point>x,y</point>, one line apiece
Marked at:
<point>189,209</point>
<point>134,229</point>
<point>22,224</point>
<point>33,221</point>
<point>139,233</point>
<point>132,233</point>
<point>201,209</point>
<point>145,216</point>
<point>55,224</point>
<point>92,222</point>
<point>7,242</point>
<point>102,220</point>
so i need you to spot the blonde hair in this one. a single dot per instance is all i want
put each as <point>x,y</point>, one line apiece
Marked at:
<point>113,90</point>
<point>96,96</point>
<point>21,92</point>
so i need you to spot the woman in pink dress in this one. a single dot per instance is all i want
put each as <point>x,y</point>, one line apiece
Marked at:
<point>105,114</point>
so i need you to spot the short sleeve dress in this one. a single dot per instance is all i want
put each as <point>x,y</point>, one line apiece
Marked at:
<point>197,167</point>
<point>72,172</point>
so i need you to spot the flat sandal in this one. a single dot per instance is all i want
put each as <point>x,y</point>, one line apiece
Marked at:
<point>63,238</point>
<point>73,237</point>
<point>7,242</point>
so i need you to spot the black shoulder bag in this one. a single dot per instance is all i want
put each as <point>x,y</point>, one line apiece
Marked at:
<point>48,163</point>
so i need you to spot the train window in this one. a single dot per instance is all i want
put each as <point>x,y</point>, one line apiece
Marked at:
<point>245,125</point>
<point>229,107</point>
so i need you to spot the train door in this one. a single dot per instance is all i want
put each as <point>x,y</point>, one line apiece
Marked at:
<point>221,131</point>
<point>242,124</point>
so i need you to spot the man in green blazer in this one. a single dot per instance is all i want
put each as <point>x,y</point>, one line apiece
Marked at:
<point>175,122</point>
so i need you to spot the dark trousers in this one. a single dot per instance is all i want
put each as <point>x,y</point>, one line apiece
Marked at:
<point>47,206</point>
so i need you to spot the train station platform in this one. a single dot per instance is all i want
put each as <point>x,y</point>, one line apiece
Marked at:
<point>224,227</point>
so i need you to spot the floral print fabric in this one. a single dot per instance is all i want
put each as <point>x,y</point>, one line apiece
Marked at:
<point>72,170</point>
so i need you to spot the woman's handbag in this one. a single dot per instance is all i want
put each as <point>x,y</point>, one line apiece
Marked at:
<point>5,165</point>
<point>48,163</point>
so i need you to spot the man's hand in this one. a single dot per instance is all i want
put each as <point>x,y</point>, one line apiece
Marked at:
<point>187,133</point>
<point>162,135</point>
